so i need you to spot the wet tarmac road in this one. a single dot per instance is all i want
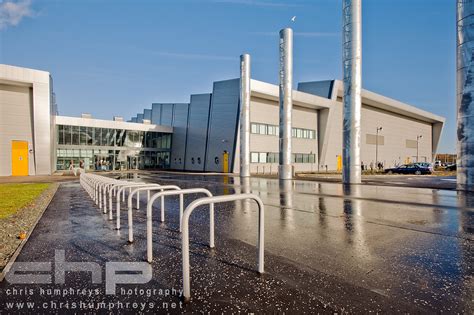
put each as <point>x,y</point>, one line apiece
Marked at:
<point>327,248</point>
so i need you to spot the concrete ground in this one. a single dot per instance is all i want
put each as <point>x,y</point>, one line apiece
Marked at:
<point>328,249</point>
<point>418,181</point>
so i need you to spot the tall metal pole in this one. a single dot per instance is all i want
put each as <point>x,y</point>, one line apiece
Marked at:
<point>465,95</point>
<point>352,68</point>
<point>286,102</point>
<point>245,115</point>
<point>417,150</point>
<point>377,146</point>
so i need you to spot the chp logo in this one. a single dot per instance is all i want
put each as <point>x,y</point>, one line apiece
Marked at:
<point>115,272</point>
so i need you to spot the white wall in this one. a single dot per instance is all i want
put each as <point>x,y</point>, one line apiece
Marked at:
<point>396,130</point>
<point>35,116</point>
<point>267,112</point>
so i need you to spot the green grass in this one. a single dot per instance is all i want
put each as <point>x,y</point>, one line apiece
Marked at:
<point>13,197</point>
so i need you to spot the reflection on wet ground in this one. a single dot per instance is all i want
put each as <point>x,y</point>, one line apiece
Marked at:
<point>328,247</point>
<point>410,243</point>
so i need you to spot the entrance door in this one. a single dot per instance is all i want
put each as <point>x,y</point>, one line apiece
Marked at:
<point>19,158</point>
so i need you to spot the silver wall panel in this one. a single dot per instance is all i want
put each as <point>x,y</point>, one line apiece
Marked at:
<point>223,124</point>
<point>178,143</point>
<point>156,114</point>
<point>147,114</point>
<point>167,114</point>
<point>197,132</point>
<point>319,88</point>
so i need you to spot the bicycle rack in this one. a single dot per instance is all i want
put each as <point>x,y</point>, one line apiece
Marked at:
<point>113,191</point>
<point>149,221</point>
<point>122,190</point>
<point>185,236</point>
<point>148,189</point>
<point>99,187</point>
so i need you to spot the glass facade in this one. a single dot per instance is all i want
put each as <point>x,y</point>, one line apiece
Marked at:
<point>111,149</point>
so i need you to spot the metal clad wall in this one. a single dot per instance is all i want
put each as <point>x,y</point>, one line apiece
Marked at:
<point>178,144</point>
<point>15,124</point>
<point>156,114</point>
<point>319,88</point>
<point>223,124</point>
<point>167,114</point>
<point>147,114</point>
<point>197,131</point>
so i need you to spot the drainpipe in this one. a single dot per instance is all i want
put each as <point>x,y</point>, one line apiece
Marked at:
<point>352,71</point>
<point>286,102</point>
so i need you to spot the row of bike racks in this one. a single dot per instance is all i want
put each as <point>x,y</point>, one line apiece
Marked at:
<point>102,189</point>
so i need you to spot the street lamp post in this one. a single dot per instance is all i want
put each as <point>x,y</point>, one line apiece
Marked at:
<point>377,146</point>
<point>417,141</point>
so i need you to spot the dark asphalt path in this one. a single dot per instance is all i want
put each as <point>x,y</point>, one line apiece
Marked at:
<point>368,248</point>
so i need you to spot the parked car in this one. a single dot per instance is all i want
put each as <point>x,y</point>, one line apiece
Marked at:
<point>451,167</point>
<point>409,169</point>
<point>425,164</point>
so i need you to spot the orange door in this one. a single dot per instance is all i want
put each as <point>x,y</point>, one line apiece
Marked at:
<point>225,164</point>
<point>19,158</point>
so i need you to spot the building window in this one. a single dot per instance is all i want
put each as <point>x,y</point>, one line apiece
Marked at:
<point>273,130</point>
<point>83,136</point>
<point>67,134</point>
<point>75,135</point>
<point>303,158</point>
<point>273,157</point>
<point>254,157</point>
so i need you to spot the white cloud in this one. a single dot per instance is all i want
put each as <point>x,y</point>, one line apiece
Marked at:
<point>12,12</point>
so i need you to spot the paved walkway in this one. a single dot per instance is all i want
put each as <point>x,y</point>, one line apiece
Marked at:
<point>328,249</point>
<point>37,179</point>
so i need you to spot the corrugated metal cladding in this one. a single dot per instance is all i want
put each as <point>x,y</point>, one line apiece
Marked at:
<point>178,143</point>
<point>139,118</point>
<point>223,124</point>
<point>319,88</point>
<point>197,132</point>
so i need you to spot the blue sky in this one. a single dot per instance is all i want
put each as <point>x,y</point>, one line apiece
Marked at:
<point>117,57</point>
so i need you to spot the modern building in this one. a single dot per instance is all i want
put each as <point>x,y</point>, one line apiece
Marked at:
<point>206,131</point>
<point>34,140</point>
<point>203,135</point>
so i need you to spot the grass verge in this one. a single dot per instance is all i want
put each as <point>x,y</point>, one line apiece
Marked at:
<point>14,197</point>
